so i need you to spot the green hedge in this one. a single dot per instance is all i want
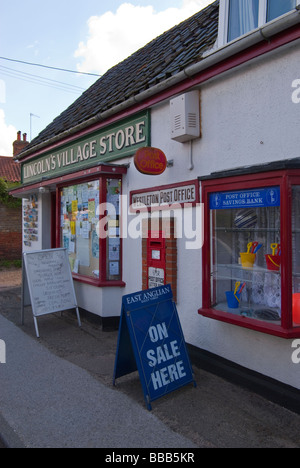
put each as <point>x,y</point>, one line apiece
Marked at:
<point>5,198</point>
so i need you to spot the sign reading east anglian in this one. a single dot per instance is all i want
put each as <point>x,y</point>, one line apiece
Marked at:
<point>151,341</point>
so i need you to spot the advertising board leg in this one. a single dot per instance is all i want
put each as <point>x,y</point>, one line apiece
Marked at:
<point>78,317</point>
<point>36,327</point>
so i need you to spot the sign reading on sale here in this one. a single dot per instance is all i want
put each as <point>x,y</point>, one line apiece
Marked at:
<point>151,341</point>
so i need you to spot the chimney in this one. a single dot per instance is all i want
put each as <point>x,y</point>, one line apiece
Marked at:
<point>18,144</point>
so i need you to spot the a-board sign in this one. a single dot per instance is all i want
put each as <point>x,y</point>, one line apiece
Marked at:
<point>151,341</point>
<point>50,283</point>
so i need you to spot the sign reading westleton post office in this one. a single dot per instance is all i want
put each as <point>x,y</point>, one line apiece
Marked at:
<point>151,341</point>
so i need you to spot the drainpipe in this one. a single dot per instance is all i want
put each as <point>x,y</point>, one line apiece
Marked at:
<point>191,166</point>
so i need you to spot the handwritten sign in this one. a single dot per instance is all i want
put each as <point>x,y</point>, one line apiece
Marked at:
<point>50,282</point>
<point>151,341</point>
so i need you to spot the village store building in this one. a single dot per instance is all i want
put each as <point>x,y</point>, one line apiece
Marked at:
<point>220,97</point>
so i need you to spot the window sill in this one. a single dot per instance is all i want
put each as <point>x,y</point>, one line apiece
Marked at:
<point>99,284</point>
<point>252,324</point>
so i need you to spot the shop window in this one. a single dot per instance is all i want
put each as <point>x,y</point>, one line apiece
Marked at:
<point>90,229</point>
<point>296,254</point>
<point>251,254</point>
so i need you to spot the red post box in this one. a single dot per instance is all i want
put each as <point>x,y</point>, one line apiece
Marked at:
<point>156,259</point>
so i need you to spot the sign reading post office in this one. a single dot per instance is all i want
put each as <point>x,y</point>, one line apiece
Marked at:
<point>151,341</point>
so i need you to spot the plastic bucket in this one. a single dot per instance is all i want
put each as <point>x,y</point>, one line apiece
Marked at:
<point>296,308</point>
<point>247,260</point>
<point>232,300</point>
<point>273,262</point>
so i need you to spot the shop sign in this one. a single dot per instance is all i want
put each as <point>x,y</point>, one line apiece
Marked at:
<point>106,145</point>
<point>151,341</point>
<point>150,161</point>
<point>175,195</point>
<point>254,198</point>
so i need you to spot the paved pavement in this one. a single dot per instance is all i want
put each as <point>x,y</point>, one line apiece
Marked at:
<point>50,402</point>
<point>57,392</point>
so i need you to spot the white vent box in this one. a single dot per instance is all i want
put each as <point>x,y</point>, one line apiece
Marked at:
<point>185,117</point>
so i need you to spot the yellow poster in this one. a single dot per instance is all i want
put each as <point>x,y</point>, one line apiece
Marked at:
<point>74,206</point>
<point>73,227</point>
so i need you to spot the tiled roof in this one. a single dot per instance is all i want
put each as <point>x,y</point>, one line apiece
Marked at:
<point>9,169</point>
<point>162,58</point>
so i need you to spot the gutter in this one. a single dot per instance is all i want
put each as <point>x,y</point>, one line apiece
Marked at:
<point>209,58</point>
<point>268,30</point>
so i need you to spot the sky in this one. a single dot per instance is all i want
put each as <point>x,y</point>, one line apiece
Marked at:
<point>87,36</point>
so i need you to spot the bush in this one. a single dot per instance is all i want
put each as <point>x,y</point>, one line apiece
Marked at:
<point>5,198</point>
<point>10,264</point>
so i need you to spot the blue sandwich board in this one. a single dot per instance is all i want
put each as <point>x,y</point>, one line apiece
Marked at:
<point>151,341</point>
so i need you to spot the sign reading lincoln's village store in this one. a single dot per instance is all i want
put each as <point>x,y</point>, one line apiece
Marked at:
<point>199,94</point>
<point>106,145</point>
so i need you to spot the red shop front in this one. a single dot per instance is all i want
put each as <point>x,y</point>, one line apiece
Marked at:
<point>251,255</point>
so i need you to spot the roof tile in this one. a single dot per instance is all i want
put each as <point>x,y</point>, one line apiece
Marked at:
<point>9,169</point>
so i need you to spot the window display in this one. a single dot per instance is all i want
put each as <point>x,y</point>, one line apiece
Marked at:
<point>78,227</point>
<point>296,255</point>
<point>30,220</point>
<point>89,228</point>
<point>246,253</point>
<point>251,252</point>
<point>113,246</point>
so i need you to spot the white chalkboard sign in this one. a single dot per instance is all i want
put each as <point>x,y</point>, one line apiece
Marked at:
<point>50,283</point>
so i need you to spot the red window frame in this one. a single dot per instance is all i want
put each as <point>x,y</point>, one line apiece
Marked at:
<point>102,281</point>
<point>285,179</point>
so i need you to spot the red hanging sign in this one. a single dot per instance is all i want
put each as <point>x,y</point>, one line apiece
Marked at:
<point>150,161</point>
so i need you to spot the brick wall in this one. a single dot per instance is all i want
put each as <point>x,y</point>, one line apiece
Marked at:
<point>168,227</point>
<point>10,233</point>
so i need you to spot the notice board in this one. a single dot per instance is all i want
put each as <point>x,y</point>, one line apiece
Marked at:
<point>50,283</point>
<point>151,341</point>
